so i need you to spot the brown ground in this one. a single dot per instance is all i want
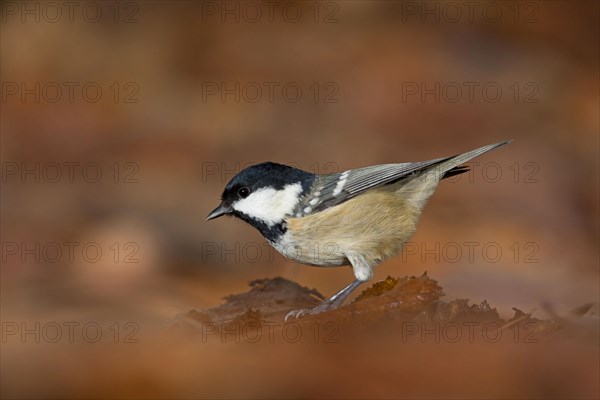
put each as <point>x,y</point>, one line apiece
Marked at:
<point>397,339</point>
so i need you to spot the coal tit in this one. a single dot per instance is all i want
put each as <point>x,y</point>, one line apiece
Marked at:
<point>358,217</point>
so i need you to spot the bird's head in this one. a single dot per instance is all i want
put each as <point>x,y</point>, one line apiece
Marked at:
<point>264,194</point>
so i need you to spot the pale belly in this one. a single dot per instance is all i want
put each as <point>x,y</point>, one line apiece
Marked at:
<point>374,226</point>
<point>304,251</point>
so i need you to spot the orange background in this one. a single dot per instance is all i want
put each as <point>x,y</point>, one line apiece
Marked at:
<point>378,85</point>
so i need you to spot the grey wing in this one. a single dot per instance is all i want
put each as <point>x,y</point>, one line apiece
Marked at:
<point>333,189</point>
<point>330,190</point>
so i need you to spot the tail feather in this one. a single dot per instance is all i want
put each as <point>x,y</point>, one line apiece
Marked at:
<point>455,171</point>
<point>418,189</point>
<point>460,159</point>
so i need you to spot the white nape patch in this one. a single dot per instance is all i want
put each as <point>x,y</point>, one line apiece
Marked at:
<point>341,183</point>
<point>270,205</point>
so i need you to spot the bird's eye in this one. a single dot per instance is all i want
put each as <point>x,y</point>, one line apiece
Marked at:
<point>244,192</point>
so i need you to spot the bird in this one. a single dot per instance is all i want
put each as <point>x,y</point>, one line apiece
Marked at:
<point>359,217</point>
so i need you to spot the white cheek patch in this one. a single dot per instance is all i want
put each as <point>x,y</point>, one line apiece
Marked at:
<point>270,205</point>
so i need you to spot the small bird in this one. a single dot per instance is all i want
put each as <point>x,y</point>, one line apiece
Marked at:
<point>358,217</point>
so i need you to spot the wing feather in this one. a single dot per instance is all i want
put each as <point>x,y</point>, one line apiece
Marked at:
<point>330,190</point>
<point>336,188</point>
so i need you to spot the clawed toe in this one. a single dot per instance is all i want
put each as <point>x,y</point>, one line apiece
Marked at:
<point>333,302</point>
<point>296,314</point>
<point>324,306</point>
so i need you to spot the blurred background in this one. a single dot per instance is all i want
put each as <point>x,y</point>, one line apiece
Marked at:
<point>121,122</point>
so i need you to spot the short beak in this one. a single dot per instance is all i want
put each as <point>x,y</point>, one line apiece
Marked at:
<point>219,211</point>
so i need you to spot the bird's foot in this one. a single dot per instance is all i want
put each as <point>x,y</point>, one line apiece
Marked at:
<point>324,306</point>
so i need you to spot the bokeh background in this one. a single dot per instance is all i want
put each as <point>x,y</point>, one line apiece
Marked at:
<point>122,122</point>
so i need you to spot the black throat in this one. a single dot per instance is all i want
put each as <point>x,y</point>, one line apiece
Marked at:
<point>271,233</point>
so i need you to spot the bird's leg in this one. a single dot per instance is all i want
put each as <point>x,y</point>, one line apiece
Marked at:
<point>333,302</point>
<point>337,299</point>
